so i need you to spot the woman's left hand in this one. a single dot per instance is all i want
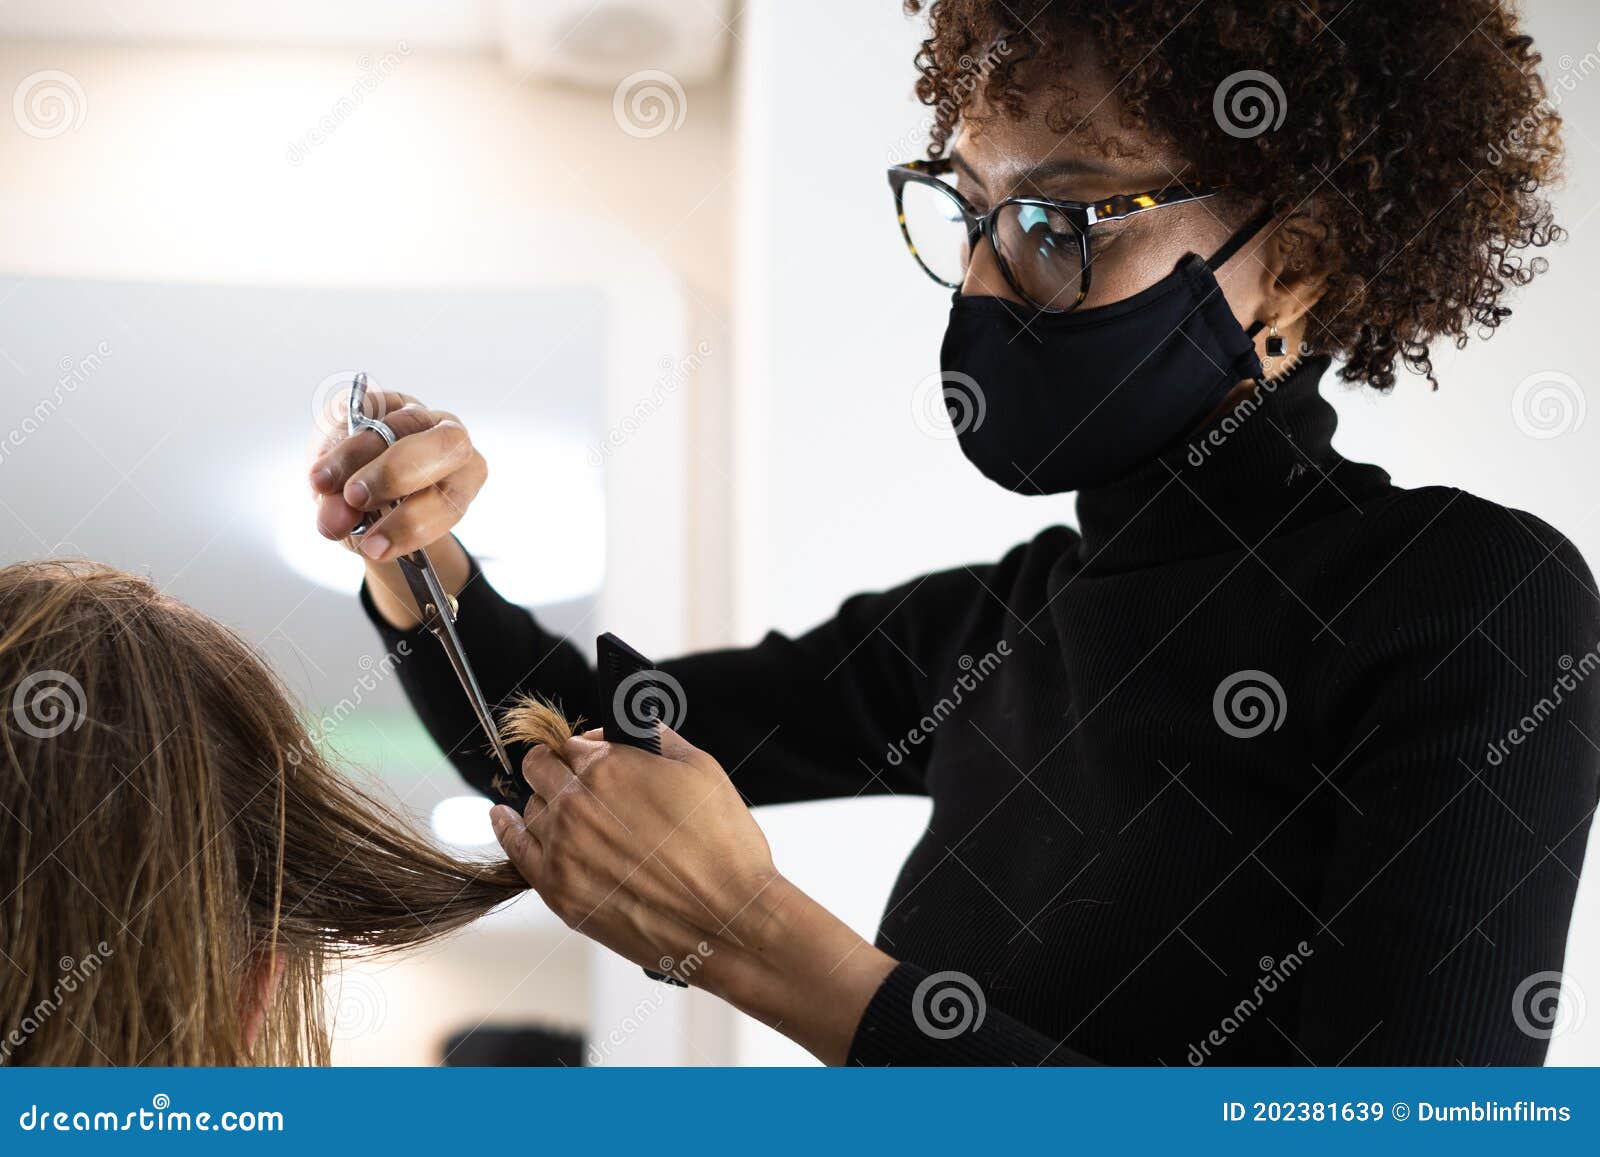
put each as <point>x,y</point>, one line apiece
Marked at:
<point>657,858</point>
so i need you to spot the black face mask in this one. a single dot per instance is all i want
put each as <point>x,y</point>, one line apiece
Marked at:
<point>1046,403</point>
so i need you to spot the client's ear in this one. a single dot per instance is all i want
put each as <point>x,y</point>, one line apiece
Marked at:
<point>260,985</point>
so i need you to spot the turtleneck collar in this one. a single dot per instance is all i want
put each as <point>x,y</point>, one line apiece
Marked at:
<point>1260,468</point>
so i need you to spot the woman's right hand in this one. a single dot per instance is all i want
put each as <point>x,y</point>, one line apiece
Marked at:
<point>432,469</point>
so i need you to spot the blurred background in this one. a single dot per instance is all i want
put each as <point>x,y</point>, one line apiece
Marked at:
<point>645,249</point>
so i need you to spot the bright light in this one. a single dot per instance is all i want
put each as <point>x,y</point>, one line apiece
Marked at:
<point>463,821</point>
<point>537,527</point>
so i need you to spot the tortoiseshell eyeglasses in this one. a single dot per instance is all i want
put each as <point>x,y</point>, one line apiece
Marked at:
<point>1040,244</point>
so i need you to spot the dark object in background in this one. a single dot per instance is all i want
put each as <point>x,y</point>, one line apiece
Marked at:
<point>632,696</point>
<point>498,1047</point>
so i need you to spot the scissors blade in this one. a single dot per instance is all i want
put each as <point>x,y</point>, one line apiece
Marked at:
<point>431,596</point>
<point>434,604</point>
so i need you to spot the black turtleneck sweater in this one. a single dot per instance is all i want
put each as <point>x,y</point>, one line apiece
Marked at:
<point>1270,762</point>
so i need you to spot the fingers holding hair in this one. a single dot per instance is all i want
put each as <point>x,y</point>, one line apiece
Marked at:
<point>547,774</point>
<point>521,846</point>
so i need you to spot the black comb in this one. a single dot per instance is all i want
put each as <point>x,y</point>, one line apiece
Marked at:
<point>630,701</point>
<point>629,707</point>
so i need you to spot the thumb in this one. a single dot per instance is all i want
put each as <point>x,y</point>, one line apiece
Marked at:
<point>521,848</point>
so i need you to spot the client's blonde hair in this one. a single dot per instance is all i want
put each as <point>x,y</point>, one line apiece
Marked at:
<point>170,831</point>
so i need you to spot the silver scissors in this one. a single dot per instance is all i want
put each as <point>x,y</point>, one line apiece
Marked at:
<point>434,606</point>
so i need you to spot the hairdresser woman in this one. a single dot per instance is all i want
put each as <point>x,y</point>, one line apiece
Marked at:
<point>1279,763</point>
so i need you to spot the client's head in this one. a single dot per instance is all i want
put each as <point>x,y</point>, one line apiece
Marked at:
<point>178,861</point>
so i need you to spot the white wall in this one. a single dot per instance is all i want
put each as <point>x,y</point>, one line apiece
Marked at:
<point>181,168</point>
<point>840,491</point>
<point>194,165</point>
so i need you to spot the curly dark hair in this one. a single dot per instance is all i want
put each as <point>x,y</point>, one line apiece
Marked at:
<point>1416,141</point>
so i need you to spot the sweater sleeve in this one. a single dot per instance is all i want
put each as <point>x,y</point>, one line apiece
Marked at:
<point>1468,730</point>
<point>927,1018</point>
<point>810,717</point>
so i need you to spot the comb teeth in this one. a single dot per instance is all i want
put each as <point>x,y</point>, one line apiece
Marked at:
<point>624,694</point>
